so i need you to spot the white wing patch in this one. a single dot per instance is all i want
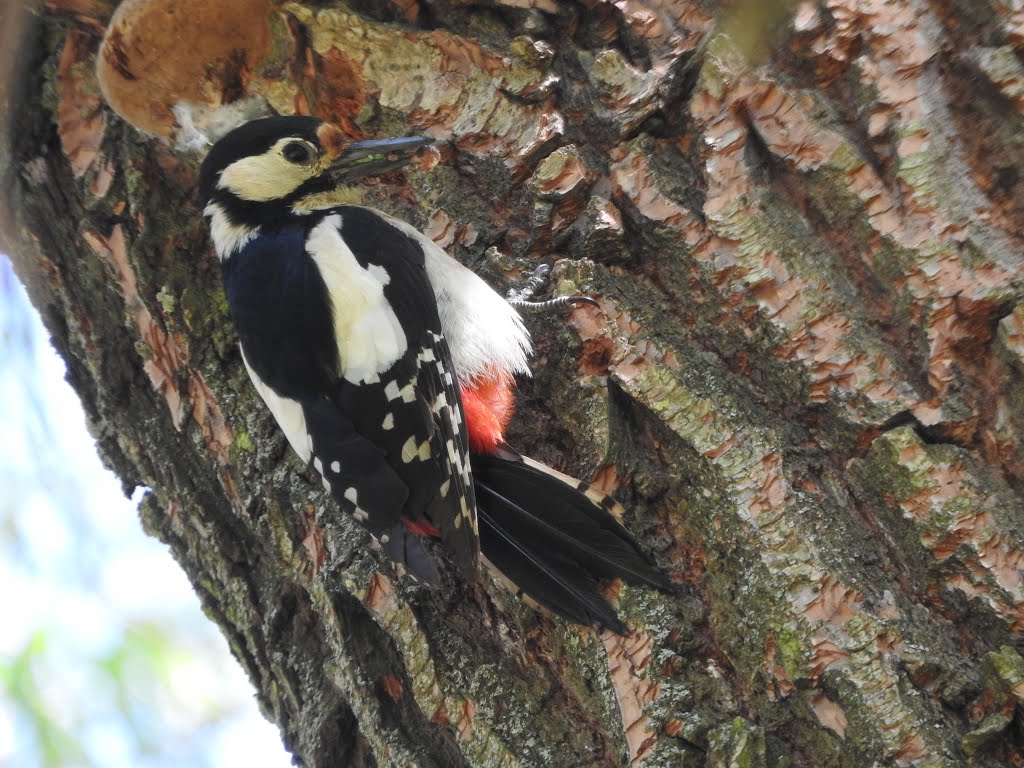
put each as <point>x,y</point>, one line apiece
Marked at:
<point>369,336</point>
<point>483,330</point>
<point>413,450</point>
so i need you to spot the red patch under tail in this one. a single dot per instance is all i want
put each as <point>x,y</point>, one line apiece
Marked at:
<point>421,527</point>
<point>488,403</point>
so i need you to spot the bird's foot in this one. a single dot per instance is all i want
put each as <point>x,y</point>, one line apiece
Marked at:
<point>522,298</point>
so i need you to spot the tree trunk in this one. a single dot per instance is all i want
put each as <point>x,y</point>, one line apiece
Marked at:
<point>803,380</point>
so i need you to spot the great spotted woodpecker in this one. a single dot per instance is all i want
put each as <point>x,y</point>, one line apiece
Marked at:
<point>389,366</point>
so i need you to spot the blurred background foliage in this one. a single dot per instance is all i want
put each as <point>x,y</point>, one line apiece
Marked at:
<point>105,657</point>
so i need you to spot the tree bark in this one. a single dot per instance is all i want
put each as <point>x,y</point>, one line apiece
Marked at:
<point>803,380</point>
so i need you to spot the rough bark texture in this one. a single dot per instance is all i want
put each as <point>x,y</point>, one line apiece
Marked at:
<point>804,380</point>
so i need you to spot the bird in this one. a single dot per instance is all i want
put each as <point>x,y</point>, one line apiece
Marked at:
<point>390,367</point>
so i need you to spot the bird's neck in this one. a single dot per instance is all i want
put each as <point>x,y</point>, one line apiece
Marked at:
<point>228,232</point>
<point>234,222</point>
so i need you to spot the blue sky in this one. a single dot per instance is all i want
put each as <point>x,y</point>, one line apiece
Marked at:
<point>105,657</point>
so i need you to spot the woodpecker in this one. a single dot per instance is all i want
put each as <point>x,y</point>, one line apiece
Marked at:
<point>390,368</point>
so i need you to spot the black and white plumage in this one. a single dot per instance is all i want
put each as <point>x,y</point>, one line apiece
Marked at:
<point>363,337</point>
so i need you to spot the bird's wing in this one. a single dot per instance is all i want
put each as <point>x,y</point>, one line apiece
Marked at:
<point>378,405</point>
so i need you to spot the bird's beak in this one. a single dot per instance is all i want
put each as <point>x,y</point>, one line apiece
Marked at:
<point>370,158</point>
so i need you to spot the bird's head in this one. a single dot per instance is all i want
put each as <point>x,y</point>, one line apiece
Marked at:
<point>277,165</point>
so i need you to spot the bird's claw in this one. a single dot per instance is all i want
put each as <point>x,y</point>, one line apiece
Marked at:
<point>521,298</point>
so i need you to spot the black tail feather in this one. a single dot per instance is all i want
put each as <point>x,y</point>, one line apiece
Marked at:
<point>603,555</point>
<point>545,577</point>
<point>553,541</point>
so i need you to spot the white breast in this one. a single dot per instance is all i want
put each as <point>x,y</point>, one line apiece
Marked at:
<point>287,412</point>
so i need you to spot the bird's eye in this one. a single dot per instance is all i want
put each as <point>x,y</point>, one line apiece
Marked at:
<point>297,152</point>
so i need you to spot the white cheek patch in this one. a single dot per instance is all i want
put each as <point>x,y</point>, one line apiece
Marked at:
<point>260,178</point>
<point>369,336</point>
